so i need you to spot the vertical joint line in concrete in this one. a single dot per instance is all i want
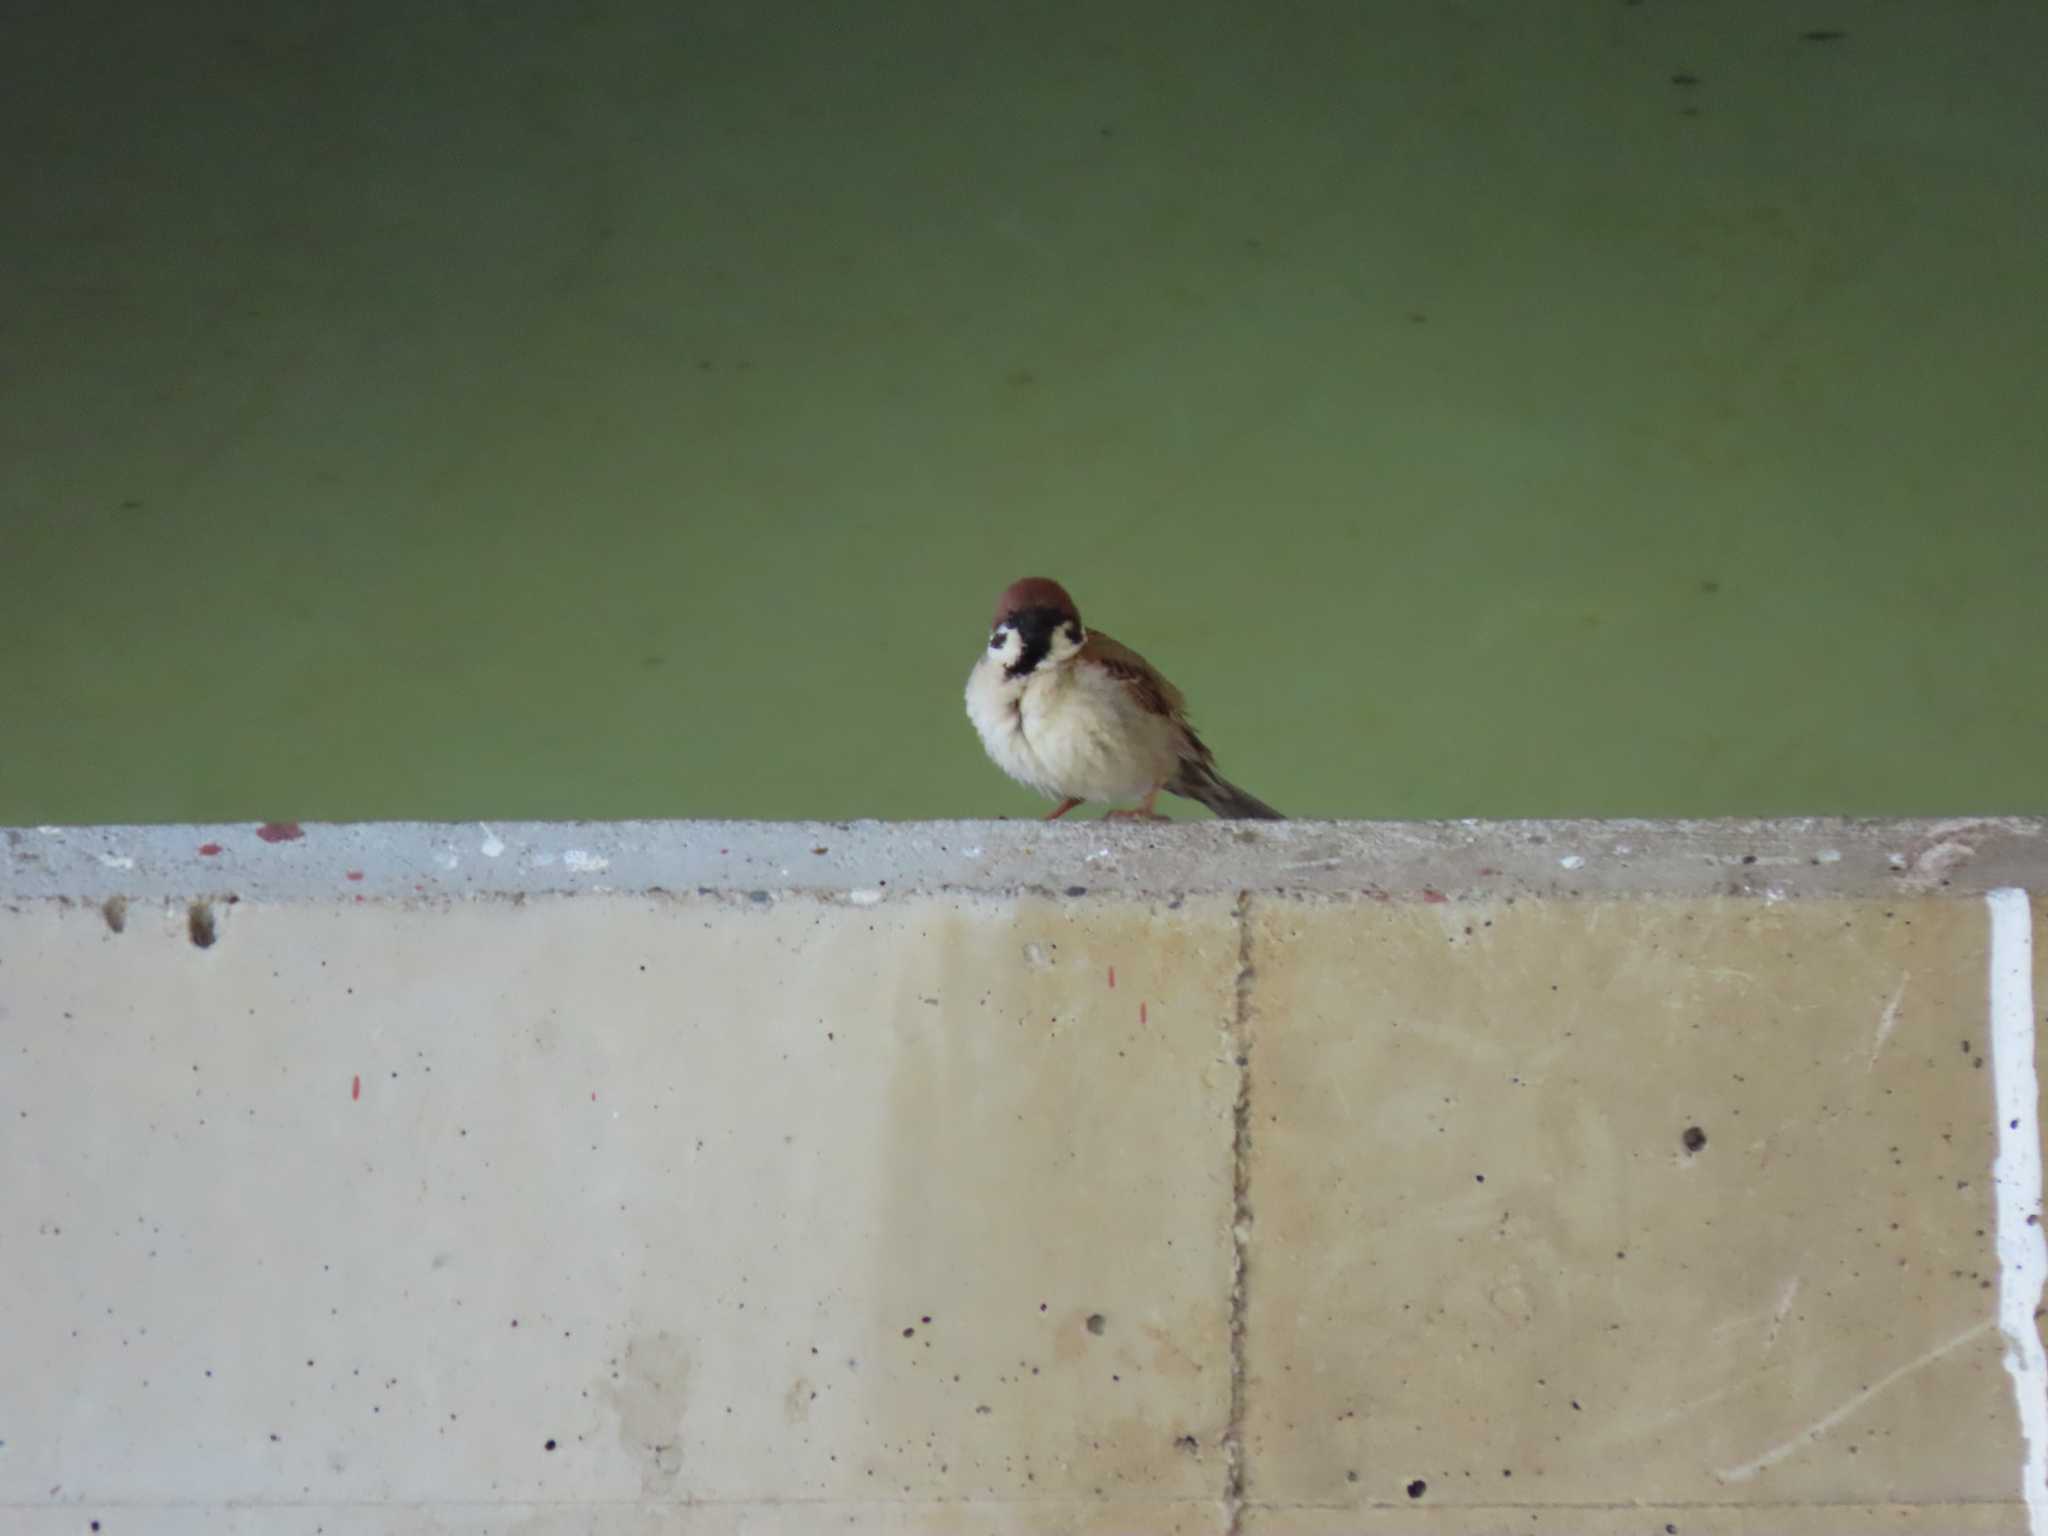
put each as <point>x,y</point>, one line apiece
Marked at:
<point>2016,1175</point>
<point>1235,1478</point>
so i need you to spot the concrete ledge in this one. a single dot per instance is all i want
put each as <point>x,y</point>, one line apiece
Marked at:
<point>289,861</point>
<point>1002,1179</point>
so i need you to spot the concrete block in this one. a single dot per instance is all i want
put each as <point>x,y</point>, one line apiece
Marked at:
<point>773,1210</point>
<point>996,1179</point>
<point>1678,1205</point>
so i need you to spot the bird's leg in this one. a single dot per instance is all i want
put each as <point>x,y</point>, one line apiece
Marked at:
<point>1065,806</point>
<point>1144,812</point>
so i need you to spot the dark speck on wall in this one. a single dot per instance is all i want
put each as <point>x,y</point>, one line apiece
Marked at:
<point>1695,1138</point>
<point>1685,79</point>
<point>1096,1322</point>
<point>1077,890</point>
<point>1417,1489</point>
<point>1822,35</point>
<point>549,1446</point>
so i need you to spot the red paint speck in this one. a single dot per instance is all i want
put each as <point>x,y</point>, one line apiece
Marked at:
<point>209,850</point>
<point>1489,871</point>
<point>355,1089</point>
<point>280,832</point>
<point>1112,978</point>
<point>593,1096</point>
<point>1434,896</point>
<point>1141,1013</point>
<point>359,898</point>
<point>355,874</point>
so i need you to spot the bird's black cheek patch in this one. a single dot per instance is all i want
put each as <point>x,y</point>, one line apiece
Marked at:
<point>1035,648</point>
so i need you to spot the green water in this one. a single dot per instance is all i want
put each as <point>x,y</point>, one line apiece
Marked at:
<point>549,411</point>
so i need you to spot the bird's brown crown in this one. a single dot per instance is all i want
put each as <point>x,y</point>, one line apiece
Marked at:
<point>1034,592</point>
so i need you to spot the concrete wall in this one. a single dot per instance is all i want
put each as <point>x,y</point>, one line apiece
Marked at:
<point>994,1178</point>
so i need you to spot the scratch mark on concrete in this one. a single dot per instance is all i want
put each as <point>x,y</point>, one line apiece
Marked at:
<point>1820,1426</point>
<point>1889,1019</point>
<point>1787,1293</point>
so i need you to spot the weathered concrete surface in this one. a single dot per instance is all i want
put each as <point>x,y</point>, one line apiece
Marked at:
<point>274,1201</point>
<point>789,1209</point>
<point>1682,1206</point>
<point>1811,856</point>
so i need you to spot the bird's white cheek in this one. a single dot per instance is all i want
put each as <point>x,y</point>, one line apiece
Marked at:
<point>1066,640</point>
<point>1006,646</point>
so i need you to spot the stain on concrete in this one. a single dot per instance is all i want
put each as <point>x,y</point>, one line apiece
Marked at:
<point>650,1394</point>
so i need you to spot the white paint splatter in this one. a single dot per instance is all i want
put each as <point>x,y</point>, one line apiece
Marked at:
<point>117,861</point>
<point>492,845</point>
<point>584,862</point>
<point>1821,1425</point>
<point>446,859</point>
<point>2016,1175</point>
<point>1889,1019</point>
<point>864,897</point>
<point>1572,861</point>
<point>1828,856</point>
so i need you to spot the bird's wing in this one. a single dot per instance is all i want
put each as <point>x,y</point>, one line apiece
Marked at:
<point>1135,673</point>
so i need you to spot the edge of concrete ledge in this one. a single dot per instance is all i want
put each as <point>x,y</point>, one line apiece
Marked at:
<point>870,861</point>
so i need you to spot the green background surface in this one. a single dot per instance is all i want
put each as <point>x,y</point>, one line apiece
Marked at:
<point>627,409</point>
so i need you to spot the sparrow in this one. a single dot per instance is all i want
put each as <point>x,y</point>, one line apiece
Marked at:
<point>1076,716</point>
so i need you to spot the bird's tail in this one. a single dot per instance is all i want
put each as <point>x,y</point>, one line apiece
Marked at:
<point>1198,781</point>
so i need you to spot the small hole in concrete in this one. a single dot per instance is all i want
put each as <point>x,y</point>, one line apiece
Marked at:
<point>1187,1443</point>
<point>115,911</point>
<point>1097,1322</point>
<point>199,923</point>
<point>1695,1138</point>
